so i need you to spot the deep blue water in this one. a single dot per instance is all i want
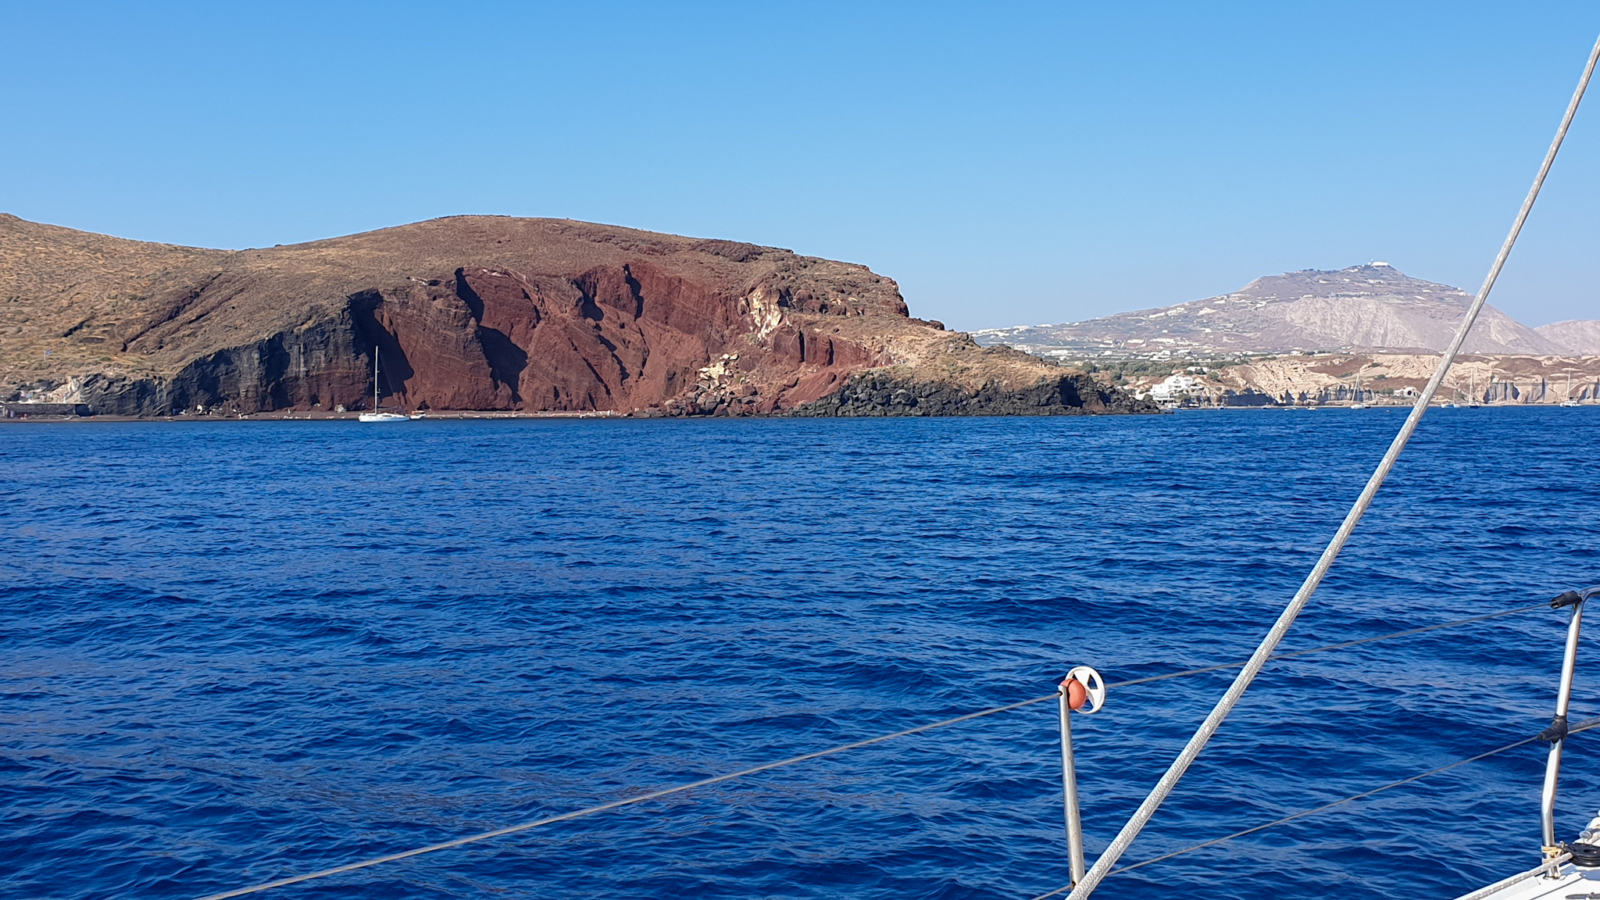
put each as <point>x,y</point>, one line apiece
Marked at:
<point>231,652</point>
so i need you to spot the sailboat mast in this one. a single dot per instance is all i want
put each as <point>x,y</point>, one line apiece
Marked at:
<point>374,377</point>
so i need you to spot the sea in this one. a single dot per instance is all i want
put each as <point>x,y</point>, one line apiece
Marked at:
<point>233,652</point>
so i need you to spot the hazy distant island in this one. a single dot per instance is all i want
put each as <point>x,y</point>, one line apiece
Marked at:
<point>1367,333</point>
<point>486,313</point>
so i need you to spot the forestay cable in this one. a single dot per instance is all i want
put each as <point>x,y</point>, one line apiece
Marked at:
<point>1230,699</point>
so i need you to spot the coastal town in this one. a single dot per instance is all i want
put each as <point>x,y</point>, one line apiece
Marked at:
<point>1374,379</point>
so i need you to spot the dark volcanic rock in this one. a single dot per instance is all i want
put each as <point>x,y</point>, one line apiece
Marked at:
<point>321,365</point>
<point>880,394</point>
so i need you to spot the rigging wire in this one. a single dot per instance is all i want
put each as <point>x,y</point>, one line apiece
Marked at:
<point>1576,729</point>
<point>1230,698</point>
<point>818,754</point>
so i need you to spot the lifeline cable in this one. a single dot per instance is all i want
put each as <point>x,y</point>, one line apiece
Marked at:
<point>1169,780</point>
<point>654,795</point>
<point>1581,727</point>
<point>625,801</point>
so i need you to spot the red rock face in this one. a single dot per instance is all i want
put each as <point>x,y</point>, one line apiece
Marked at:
<point>618,337</point>
<point>473,312</point>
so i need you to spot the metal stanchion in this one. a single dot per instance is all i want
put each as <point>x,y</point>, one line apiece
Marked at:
<point>1556,734</point>
<point>1084,690</point>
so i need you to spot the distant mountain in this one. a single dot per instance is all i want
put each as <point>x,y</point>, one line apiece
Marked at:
<point>1581,338</point>
<point>1371,307</point>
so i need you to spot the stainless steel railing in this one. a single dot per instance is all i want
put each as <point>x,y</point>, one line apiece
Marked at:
<point>1557,733</point>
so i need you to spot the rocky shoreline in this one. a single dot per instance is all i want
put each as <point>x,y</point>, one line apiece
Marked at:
<point>882,394</point>
<point>871,394</point>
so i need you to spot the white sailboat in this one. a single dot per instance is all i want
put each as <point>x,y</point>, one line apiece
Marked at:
<point>378,415</point>
<point>1568,401</point>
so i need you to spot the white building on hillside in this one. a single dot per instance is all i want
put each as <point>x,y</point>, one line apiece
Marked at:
<point>1174,387</point>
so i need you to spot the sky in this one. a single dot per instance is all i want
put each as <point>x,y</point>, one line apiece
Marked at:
<point>1007,164</point>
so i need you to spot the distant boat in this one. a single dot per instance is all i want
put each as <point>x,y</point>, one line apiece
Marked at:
<point>378,415</point>
<point>1569,401</point>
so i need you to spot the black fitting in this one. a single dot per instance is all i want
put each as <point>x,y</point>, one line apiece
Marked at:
<point>1584,855</point>
<point>1570,598</point>
<point>1557,730</point>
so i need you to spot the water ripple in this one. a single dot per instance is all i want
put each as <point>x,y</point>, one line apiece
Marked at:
<point>231,652</point>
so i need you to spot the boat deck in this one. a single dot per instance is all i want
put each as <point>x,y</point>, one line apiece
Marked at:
<point>1573,884</point>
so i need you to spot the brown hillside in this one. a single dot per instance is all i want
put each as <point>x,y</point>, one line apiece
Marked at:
<point>465,313</point>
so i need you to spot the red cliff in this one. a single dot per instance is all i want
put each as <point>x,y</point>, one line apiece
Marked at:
<point>464,313</point>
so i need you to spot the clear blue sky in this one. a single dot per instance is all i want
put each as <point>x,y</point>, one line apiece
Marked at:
<point>1006,163</point>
